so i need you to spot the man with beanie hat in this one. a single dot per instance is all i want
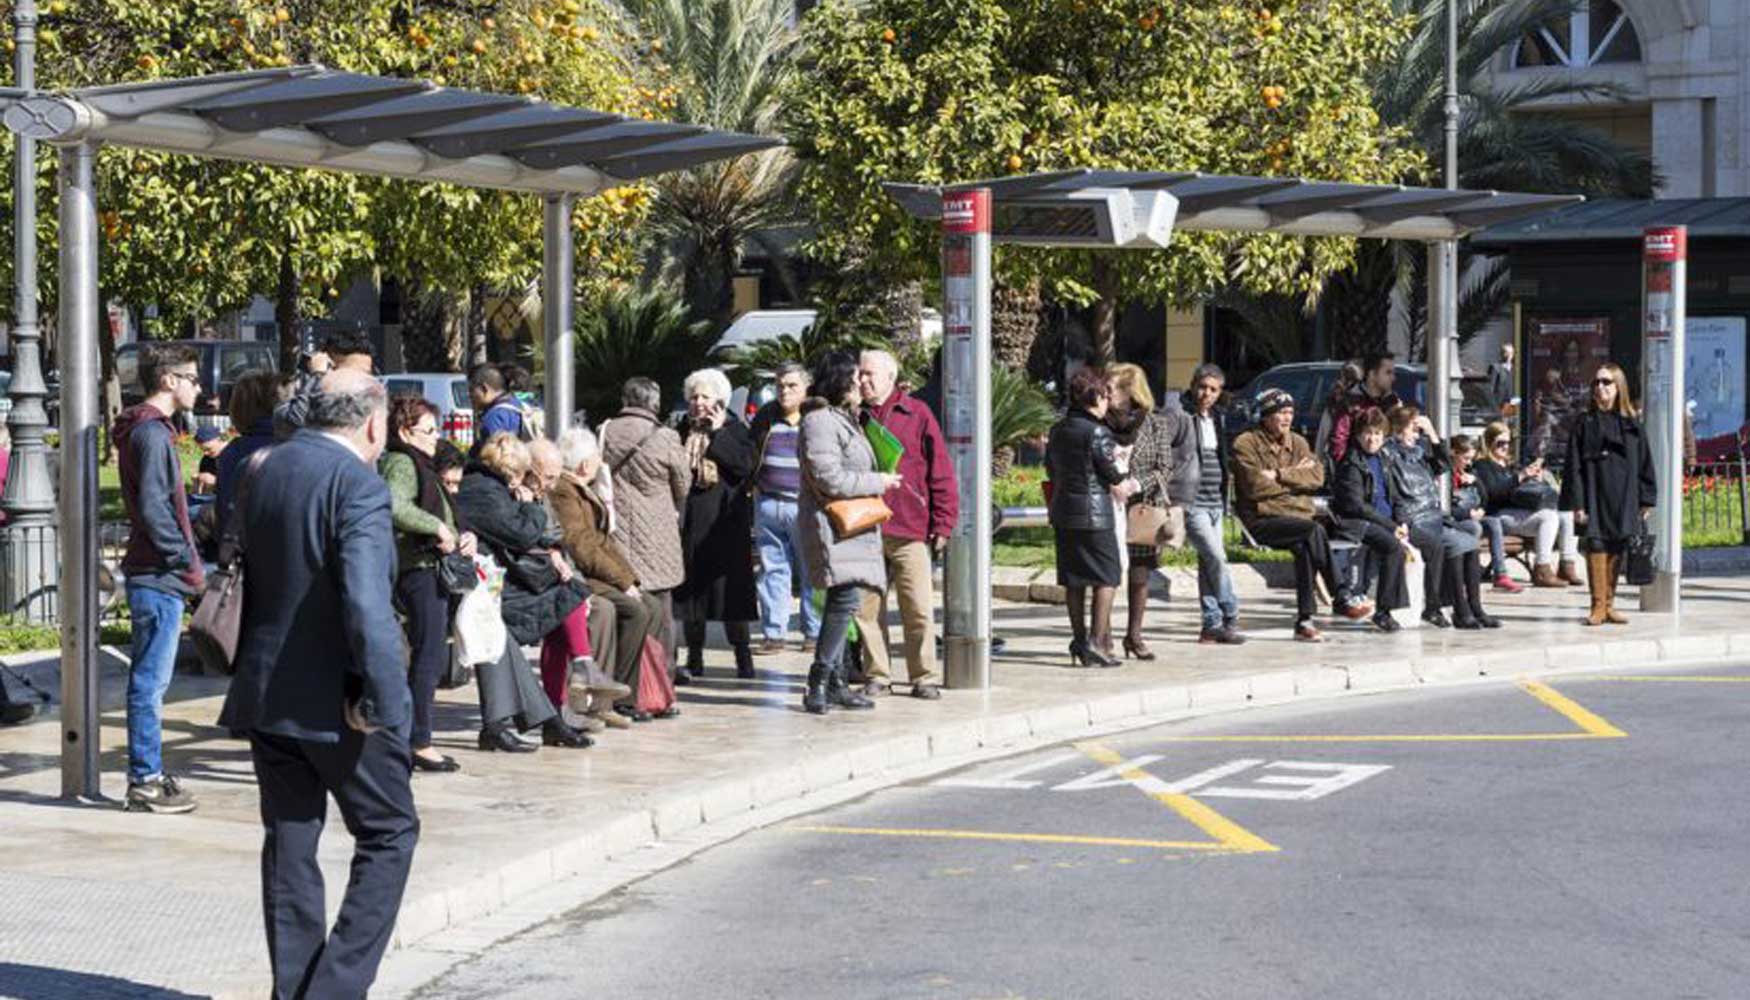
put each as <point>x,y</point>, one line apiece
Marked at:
<point>1275,477</point>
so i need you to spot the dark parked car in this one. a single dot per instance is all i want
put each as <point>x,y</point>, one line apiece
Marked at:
<point>222,363</point>
<point>1310,383</point>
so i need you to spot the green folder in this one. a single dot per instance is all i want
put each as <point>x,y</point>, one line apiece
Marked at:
<point>888,450</point>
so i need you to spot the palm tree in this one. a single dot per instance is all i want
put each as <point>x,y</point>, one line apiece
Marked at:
<point>1504,143</point>
<point>730,58</point>
<point>631,331</point>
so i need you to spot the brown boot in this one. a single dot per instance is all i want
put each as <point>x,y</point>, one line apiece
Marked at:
<point>1612,615</point>
<point>1598,581</point>
<point>1543,576</point>
<point>1570,573</point>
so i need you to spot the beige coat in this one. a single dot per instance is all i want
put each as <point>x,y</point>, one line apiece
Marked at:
<point>651,479</point>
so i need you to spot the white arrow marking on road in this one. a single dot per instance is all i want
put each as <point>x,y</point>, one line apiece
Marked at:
<point>1008,780</point>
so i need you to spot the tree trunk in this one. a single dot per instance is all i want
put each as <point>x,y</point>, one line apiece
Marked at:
<point>1014,324</point>
<point>1105,331</point>
<point>478,348</point>
<point>110,393</point>
<point>285,312</point>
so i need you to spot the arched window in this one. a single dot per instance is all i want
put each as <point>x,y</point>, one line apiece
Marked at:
<point>1596,33</point>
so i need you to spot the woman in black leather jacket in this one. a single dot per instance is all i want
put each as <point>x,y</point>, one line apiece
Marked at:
<point>1453,570</point>
<point>1082,462</point>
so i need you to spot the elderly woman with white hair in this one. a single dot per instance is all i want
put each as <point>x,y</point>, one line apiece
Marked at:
<point>716,524</point>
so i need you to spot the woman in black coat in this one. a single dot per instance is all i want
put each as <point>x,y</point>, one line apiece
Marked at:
<point>716,526</point>
<point>1365,515</point>
<point>1082,462</point>
<point>1608,483</point>
<point>543,600</point>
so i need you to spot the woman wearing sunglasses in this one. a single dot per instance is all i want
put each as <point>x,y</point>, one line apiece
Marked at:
<point>1526,504</point>
<point>1608,484</point>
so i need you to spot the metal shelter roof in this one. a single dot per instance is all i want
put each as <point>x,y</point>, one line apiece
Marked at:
<point>311,116</point>
<point>1623,219</point>
<point>1290,205</point>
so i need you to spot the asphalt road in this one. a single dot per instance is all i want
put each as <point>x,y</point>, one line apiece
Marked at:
<point>1581,839</point>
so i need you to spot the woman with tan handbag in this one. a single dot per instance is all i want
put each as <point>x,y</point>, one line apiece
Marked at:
<point>1149,517</point>
<point>841,511</point>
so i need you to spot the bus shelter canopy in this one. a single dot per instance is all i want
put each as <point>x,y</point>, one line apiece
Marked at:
<point>1291,205</point>
<point>312,116</point>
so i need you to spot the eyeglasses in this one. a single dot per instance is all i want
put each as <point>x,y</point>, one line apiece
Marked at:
<point>422,429</point>
<point>1502,445</point>
<point>189,377</point>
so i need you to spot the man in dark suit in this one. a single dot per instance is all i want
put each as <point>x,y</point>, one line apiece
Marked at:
<point>1502,383</point>
<point>321,689</point>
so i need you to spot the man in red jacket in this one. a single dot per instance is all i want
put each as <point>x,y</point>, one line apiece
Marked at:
<point>925,507</point>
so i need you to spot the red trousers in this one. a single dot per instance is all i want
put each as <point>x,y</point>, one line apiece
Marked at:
<point>562,645</point>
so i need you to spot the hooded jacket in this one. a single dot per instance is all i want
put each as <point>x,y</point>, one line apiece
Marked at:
<point>161,552</point>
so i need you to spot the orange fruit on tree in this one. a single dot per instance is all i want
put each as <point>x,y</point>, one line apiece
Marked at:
<point>889,36</point>
<point>1014,162</point>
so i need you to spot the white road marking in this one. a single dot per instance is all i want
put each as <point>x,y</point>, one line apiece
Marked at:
<point>1324,780</point>
<point>1009,780</point>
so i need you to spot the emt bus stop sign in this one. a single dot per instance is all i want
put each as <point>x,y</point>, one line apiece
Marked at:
<point>966,240</point>
<point>1664,268</point>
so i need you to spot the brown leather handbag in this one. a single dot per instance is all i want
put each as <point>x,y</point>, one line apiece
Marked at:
<point>1155,527</point>
<point>217,624</point>
<point>854,516</point>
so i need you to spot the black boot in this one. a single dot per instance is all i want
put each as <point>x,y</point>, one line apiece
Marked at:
<point>744,661</point>
<point>842,694</point>
<point>1473,592</point>
<point>814,700</point>
<point>1462,615</point>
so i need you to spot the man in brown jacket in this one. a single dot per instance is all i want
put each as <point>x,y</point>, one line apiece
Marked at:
<point>1275,477</point>
<point>584,518</point>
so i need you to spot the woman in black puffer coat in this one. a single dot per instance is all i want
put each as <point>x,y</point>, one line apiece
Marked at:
<point>1082,462</point>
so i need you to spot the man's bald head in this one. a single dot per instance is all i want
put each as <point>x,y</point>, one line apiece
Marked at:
<point>545,463</point>
<point>351,404</point>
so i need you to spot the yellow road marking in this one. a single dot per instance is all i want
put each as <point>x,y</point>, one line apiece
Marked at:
<point>1573,711</point>
<point>1227,834</point>
<point>1026,838</point>
<point>1592,727</point>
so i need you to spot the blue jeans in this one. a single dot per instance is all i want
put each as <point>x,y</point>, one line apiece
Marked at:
<point>777,534</point>
<point>157,621</point>
<point>1490,526</point>
<point>1215,586</point>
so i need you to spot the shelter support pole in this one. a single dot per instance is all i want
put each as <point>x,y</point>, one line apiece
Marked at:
<point>558,279</point>
<point>966,282</point>
<point>29,571</point>
<point>1665,309</point>
<point>79,420</point>
<point>1442,334</point>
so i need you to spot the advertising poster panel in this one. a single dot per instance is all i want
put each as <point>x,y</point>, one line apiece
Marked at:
<point>1563,354</point>
<point>1713,374</point>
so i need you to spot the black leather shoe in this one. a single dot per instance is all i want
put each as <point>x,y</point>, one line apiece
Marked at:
<point>1466,622</point>
<point>443,765</point>
<point>1383,621</point>
<point>1488,621</point>
<point>814,700</point>
<point>15,712</point>
<point>844,696</point>
<point>555,733</point>
<point>632,713</point>
<point>1436,619</point>
<point>671,712</point>
<point>683,676</point>
<point>501,738</point>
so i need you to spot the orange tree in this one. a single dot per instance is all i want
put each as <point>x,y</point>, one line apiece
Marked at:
<point>197,238</point>
<point>915,90</point>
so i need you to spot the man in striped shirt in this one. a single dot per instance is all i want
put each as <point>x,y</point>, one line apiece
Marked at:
<point>777,480</point>
<point>1199,485</point>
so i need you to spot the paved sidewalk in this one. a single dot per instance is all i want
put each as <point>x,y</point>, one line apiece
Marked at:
<point>95,902</point>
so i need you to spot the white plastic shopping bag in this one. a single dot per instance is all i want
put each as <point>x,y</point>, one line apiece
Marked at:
<point>479,624</point>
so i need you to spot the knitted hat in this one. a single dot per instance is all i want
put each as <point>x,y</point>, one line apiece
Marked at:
<point>1271,400</point>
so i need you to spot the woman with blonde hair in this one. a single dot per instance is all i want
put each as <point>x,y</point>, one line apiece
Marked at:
<point>1608,484</point>
<point>1518,495</point>
<point>1149,434</point>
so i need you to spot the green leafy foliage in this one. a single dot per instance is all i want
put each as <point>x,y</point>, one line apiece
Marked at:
<point>1019,408</point>
<point>626,332</point>
<point>910,90</point>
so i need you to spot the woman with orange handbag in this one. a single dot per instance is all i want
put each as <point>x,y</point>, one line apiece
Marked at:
<point>840,510</point>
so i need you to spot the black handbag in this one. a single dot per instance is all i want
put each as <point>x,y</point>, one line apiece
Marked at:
<point>1637,561</point>
<point>1534,495</point>
<point>456,574</point>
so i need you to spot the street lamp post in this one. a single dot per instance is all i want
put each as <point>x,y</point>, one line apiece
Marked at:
<point>1443,260</point>
<point>29,567</point>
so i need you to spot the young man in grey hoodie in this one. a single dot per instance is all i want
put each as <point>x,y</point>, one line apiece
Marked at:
<point>162,564</point>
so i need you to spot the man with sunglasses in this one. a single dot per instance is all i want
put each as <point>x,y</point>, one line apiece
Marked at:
<point>162,564</point>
